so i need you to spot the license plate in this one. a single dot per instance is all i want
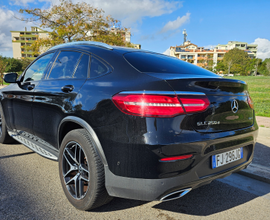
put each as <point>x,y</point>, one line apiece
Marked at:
<point>227,157</point>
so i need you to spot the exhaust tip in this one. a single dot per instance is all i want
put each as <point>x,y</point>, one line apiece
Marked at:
<point>175,195</point>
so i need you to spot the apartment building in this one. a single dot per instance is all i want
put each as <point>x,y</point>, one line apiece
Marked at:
<point>22,39</point>
<point>251,49</point>
<point>199,56</point>
<point>202,57</point>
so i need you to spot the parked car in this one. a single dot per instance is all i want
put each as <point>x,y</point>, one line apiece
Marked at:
<point>128,123</point>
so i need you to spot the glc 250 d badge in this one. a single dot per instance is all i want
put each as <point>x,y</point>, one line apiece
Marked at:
<point>203,123</point>
<point>234,106</point>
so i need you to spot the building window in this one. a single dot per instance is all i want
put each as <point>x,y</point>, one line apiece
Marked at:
<point>183,56</point>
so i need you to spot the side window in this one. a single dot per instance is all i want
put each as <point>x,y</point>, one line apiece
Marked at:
<point>82,69</point>
<point>97,68</point>
<point>37,70</point>
<point>64,65</point>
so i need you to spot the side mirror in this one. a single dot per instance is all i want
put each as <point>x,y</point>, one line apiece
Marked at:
<point>10,77</point>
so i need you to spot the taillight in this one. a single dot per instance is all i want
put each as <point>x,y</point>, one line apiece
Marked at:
<point>250,102</point>
<point>148,105</point>
<point>159,105</point>
<point>194,103</point>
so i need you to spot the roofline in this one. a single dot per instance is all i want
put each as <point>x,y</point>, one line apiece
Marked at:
<point>89,43</point>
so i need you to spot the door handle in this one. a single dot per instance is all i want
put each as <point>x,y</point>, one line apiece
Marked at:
<point>67,88</point>
<point>31,86</point>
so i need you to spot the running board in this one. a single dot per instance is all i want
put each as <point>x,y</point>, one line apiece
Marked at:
<point>36,144</point>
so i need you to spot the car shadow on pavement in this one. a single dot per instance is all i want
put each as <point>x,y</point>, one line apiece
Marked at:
<point>119,204</point>
<point>207,200</point>
<point>15,155</point>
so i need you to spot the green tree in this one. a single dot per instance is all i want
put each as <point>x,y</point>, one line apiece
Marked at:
<point>264,68</point>
<point>236,61</point>
<point>253,66</point>
<point>75,22</point>
<point>13,65</point>
<point>268,66</point>
<point>3,65</point>
<point>220,66</point>
<point>25,63</point>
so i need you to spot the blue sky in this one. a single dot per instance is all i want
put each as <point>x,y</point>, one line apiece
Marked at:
<point>158,24</point>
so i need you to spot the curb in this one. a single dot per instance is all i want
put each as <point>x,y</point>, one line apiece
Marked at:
<point>257,172</point>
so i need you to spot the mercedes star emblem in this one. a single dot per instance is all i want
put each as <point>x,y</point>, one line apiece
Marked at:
<point>234,106</point>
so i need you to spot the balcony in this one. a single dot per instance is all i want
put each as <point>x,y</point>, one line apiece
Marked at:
<point>201,58</point>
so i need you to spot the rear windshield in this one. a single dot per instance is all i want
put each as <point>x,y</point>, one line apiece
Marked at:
<point>158,63</point>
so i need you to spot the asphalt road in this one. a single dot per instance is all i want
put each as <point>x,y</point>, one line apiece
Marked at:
<point>30,189</point>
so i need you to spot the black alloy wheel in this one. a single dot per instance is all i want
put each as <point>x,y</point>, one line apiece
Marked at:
<point>75,170</point>
<point>81,171</point>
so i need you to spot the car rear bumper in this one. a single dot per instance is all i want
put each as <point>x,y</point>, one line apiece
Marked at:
<point>156,189</point>
<point>200,174</point>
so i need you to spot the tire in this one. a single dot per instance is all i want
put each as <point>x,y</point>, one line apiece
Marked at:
<point>4,136</point>
<point>82,172</point>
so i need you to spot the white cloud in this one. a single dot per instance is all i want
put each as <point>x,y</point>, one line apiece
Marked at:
<point>132,11</point>
<point>21,2</point>
<point>9,23</point>
<point>173,25</point>
<point>167,52</point>
<point>263,48</point>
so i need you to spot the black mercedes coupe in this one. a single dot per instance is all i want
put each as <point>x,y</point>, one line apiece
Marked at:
<point>128,123</point>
